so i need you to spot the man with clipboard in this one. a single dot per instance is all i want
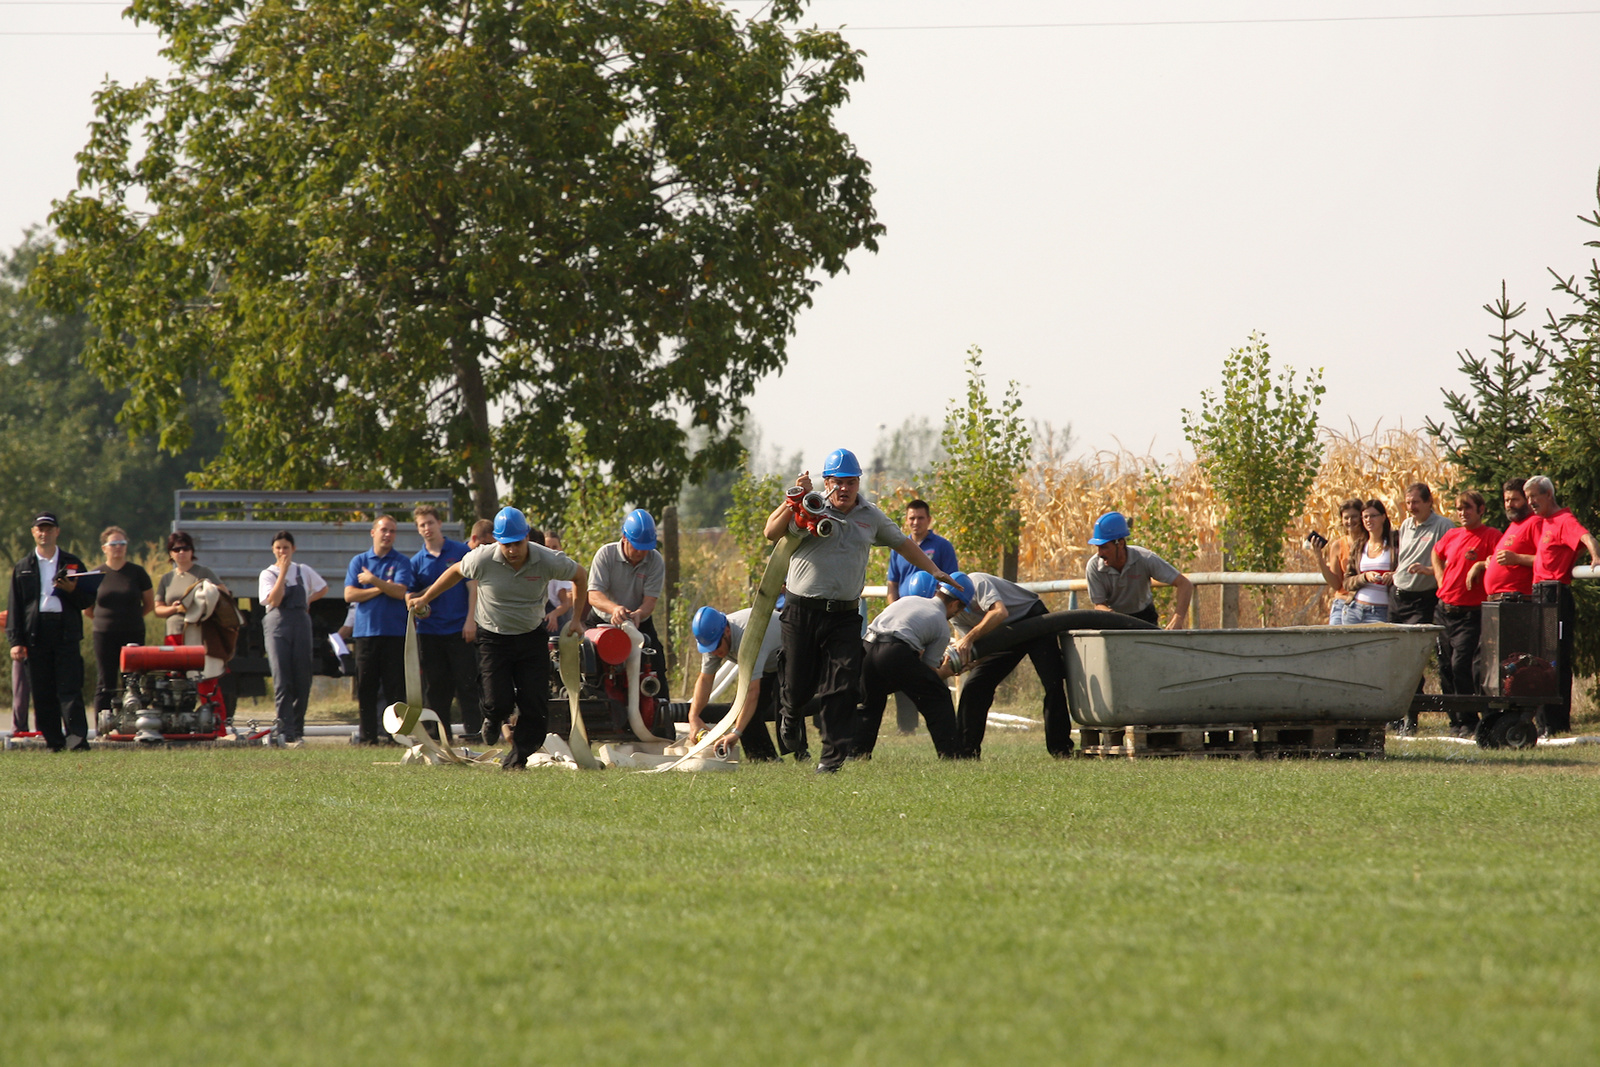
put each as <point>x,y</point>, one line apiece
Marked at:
<point>45,626</point>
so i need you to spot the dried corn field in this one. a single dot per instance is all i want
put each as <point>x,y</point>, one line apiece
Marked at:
<point>1173,511</point>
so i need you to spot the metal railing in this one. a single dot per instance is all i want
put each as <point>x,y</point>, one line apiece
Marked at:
<point>1074,586</point>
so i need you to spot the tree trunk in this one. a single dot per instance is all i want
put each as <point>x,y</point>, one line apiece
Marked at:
<point>479,442</point>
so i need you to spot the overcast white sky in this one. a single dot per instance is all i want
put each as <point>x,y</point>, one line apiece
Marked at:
<point>1106,210</point>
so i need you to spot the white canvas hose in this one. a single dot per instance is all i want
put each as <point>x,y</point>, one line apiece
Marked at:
<point>570,649</point>
<point>755,632</point>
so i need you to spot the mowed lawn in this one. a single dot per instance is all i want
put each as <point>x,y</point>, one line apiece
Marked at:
<point>311,907</point>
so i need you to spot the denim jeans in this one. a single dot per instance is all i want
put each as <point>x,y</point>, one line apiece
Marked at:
<point>1355,613</point>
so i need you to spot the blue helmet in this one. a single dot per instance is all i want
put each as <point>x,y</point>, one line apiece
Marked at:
<point>959,586</point>
<point>920,583</point>
<point>841,463</point>
<point>510,526</point>
<point>708,627</point>
<point>1108,528</point>
<point>640,529</point>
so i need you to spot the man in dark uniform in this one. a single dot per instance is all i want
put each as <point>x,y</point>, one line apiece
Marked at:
<point>905,648</point>
<point>45,626</point>
<point>822,616</point>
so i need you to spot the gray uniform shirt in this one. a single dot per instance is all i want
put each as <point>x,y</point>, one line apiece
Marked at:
<point>1127,590</point>
<point>918,621</point>
<point>626,583</point>
<point>835,568</point>
<point>766,660</point>
<point>1416,546</point>
<point>512,601</point>
<point>987,591</point>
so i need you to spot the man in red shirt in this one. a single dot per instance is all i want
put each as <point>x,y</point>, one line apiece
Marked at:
<point>1510,569</point>
<point>1459,560</point>
<point>1560,534</point>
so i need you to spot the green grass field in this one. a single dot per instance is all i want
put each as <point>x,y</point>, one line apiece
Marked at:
<point>265,906</point>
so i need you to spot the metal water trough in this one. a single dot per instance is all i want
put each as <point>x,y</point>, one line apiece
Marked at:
<point>1348,674</point>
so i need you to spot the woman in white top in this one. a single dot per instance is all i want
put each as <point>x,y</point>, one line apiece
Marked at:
<point>1370,573</point>
<point>287,590</point>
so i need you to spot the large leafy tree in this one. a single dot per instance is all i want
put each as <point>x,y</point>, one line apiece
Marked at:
<point>985,452</point>
<point>426,242</point>
<point>64,450</point>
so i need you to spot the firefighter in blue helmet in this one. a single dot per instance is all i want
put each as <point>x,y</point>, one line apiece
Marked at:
<point>625,581</point>
<point>822,650</point>
<point>1119,574</point>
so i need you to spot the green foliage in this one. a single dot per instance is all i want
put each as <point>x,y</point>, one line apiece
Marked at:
<point>1257,441</point>
<point>1539,413</point>
<point>1388,904</point>
<point>1165,526</point>
<point>64,450</point>
<point>1494,429</point>
<point>754,497</point>
<point>418,242</point>
<point>596,505</point>
<point>986,451</point>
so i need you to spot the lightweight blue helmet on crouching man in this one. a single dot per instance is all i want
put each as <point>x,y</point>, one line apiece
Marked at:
<point>841,463</point>
<point>959,586</point>
<point>708,627</point>
<point>640,530</point>
<point>510,526</point>
<point>919,583</point>
<point>1108,528</point>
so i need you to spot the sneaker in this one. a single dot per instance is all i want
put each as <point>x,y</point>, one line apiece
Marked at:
<point>827,768</point>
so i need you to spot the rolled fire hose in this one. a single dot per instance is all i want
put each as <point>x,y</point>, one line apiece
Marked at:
<point>405,719</point>
<point>772,580</point>
<point>635,654</point>
<point>570,648</point>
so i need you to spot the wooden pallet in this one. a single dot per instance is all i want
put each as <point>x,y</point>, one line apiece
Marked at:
<point>1235,741</point>
<point>1230,741</point>
<point>1337,740</point>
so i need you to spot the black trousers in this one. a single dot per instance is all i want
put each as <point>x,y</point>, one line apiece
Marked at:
<point>380,663</point>
<point>977,692</point>
<point>821,658</point>
<point>757,742</point>
<point>450,675</point>
<point>889,665</point>
<point>1462,628</point>
<point>516,688</point>
<point>108,662</point>
<point>55,671</point>
<point>1417,609</point>
<point>1558,718</point>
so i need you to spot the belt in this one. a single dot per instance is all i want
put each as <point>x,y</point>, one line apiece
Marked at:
<point>816,603</point>
<point>1457,609</point>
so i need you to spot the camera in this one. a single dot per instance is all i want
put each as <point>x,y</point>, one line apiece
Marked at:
<point>1316,540</point>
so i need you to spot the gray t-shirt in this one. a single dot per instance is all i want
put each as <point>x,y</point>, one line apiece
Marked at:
<point>171,586</point>
<point>627,583</point>
<point>1128,590</point>
<point>512,601</point>
<point>919,621</point>
<point>987,591</point>
<point>1416,546</point>
<point>835,568</point>
<point>766,660</point>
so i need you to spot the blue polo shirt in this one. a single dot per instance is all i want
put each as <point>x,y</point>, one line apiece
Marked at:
<point>382,616</point>
<point>449,613</point>
<point>939,550</point>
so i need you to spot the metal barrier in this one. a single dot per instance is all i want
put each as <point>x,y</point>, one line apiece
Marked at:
<point>1074,586</point>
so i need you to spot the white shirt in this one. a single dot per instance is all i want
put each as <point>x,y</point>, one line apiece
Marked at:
<point>48,601</point>
<point>299,574</point>
<point>555,589</point>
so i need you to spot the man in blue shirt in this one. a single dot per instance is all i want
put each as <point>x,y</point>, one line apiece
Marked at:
<point>376,583</point>
<point>445,635</point>
<point>919,527</point>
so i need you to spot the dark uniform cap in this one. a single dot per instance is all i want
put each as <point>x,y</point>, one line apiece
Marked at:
<point>45,518</point>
